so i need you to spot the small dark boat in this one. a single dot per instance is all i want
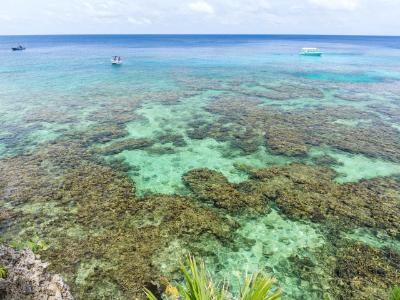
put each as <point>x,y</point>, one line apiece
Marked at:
<point>19,48</point>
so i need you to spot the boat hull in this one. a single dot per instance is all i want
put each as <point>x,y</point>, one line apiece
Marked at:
<point>311,53</point>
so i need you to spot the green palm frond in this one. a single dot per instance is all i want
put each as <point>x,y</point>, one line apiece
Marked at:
<point>149,294</point>
<point>395,294</point>
<point>198,285</point>
<point>259,287</point>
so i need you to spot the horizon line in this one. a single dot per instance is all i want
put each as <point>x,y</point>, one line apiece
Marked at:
<point>198,34</point>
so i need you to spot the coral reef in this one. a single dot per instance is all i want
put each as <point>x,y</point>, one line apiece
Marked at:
<point>362,272</point>
<point>176,139</point>
<point>168,97</point>
<point>126,144</point>
<point>302,191</point>
<point>97,134</point>
<point>125,235</point>
<point>287,91</point>
<point>347,269</point>
<point>244,138</point>
<point>15,137</point>
<point>117,110</point>
<point>292,132</point>
<point>325,160</point>
<point>108,243</point>
<point>391,112</point>
<point>102,238</point>
<point>28,278</point>
<point>49,116</point>
<point>212,186</point>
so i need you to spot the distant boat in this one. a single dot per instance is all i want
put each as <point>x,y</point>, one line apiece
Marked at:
<point>116,60</point>
<point>19,48</point>
<point>310,52</point>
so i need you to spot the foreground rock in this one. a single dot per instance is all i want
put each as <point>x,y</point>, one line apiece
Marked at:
<point>28,279</point>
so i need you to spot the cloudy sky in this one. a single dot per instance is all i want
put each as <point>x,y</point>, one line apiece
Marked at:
<point>375,17</point>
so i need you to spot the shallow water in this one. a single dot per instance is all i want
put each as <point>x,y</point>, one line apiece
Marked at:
<point>231,104</point>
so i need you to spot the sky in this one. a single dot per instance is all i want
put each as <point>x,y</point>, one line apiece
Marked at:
<point>364,17</point>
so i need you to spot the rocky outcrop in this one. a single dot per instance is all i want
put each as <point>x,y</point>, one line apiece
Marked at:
<point>28,279</point>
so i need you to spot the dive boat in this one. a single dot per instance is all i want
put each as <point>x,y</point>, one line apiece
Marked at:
<point>310,52</point>
<point>116,60</point>
<point>19,48</point>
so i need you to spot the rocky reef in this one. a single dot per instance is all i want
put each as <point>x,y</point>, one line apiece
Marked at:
<point>126,144</point>
<point>293,132</point>
<point>244,138</point>
<point>325,160</point>
<point>308,192</point>
<point>212,186</point>
<point>116,110</point>
<point>48,115</point>
<point>286,91</point>
<point>109,243</point>
<point>106,241</point>
<point>176,140</point>
<point>363,272</point>
<point>28,278</point>
<point>102,238</point>
<point>346,269</point>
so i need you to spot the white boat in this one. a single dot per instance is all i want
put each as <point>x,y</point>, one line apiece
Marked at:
<point>310,52</point>
<point>116,60</point>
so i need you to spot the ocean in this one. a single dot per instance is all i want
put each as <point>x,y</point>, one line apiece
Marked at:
<point>231,147</point>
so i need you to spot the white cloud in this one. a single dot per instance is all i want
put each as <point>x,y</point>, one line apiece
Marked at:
<point>222,16</point>
<point>5,18</point>
<point>336,4</point>
<point>201,7</point>
<point>139,21</point>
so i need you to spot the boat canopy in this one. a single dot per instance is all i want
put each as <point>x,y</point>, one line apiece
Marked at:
<point>310,49</point>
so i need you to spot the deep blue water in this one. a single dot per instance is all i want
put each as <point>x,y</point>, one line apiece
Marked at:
<point>196,40</point>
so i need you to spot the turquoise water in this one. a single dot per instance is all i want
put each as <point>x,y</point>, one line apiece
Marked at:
<point>71,123</point>
<point>355,167</point>
<point>362,77</point>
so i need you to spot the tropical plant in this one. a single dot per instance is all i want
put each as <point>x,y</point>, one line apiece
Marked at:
<point>199,285</point>
<point>150,295</point>
<point>395,294</point>
<point>258,286</point>
<point>3,272</point>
